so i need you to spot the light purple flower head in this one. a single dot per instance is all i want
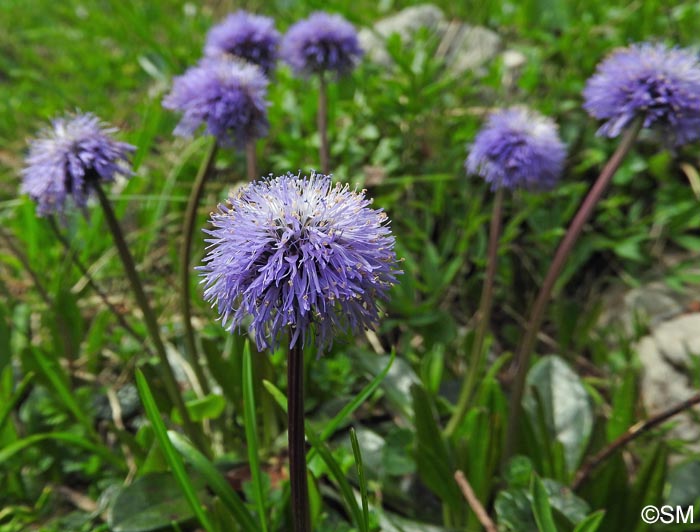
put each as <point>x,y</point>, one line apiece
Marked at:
<point>292,253</point>
<point>660,85</point>
<point>518,148</point>
<point>68,158</point>
<point>321,43</point>
<point>226,94</point>
<point>250,37</point>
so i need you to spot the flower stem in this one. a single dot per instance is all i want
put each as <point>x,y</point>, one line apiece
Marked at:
<point>323,123</point>
<point>297,449</point>
<point>149,317</point>
<point>251,160</point>
<point>483,318</point>
<point>185,251</point>
<point>93,284</point>
<point>630,434</point>
<point>527,345</point>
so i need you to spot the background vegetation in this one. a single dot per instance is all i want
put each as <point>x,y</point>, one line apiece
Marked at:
<point>72,426</point>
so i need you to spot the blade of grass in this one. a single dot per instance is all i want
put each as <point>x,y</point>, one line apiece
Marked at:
<point>251,434</point>
<point>541,507</point>
<point>346,411</point>
<point>171,455</point>
<point>361,476</point>
<point>7,408</point>
<point>15,447</point>
<point>215,481</point>
<point>327,457</point>
<point>60,387</point>
<point>591,522</point>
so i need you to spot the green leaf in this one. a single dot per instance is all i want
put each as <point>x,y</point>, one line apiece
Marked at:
<point>208,407</point>
<point>361,476</point>
<point>397,383</point>
<point>591,522</point>
<point>332,425</point>
<point>169,451</point>
<point>565,408</point>
<point>433,460</point>
<point>5,338</point>
<point>152,502</point>
<point>215,481</point>
<point>325,454</point>
<point>252,436</point>
<point>541,508</point>
<point>6,409</point>
<point>15,447</point>
<point>59,386</point>
<point>649,485</point>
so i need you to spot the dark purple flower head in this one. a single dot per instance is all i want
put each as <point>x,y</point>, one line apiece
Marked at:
<point>250,37</point>
<point>518,148</point>
<point>76,151</point>
<point>293,252</point>
<point>661,85</point>
<point>226,94</point>
<point>321,43</point>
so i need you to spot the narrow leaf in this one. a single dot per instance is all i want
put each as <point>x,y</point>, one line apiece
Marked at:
<point>252,436</point>
<point>541,508</point>
<point>169,451</point>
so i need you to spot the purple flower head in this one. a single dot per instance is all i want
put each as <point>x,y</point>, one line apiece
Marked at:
<point>225,94</point>
<point>290,252</point>
<point>67,158</point>
<point>250,37</point>
<point>320,43</point>
<point>660,85</point>
<point>518,148</point>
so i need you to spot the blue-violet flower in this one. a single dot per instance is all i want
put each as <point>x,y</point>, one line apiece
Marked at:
<point>293,252</point>
<point>253,38</point>
<point>518,148</point>
<point>321,43</point>
<point>67,158</point>
<point>227,95</point>
<point>660,85</point>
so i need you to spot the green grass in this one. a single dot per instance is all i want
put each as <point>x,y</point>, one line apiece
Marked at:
<point>409,125</point>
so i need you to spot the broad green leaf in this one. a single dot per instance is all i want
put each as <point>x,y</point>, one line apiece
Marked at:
<point>565,406</point>
<point>208,407</point>
<point>215,481</point>
<point>152,502</point>
<point>685,488</point>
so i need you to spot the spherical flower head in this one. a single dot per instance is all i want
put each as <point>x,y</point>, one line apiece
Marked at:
<point>291,253</point>
<point>253,38</point>
<point>321,43</point>
<point>68,158</point>
<point>660,85</point>
<point>518,148</point>
<point>224,94</point>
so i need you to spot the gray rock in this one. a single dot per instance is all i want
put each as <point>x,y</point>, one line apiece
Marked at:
<point>469,47</point>
<point>667,357</point>
<point>463,46</point>
<point>648,306</point>
<point>406,23</point>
